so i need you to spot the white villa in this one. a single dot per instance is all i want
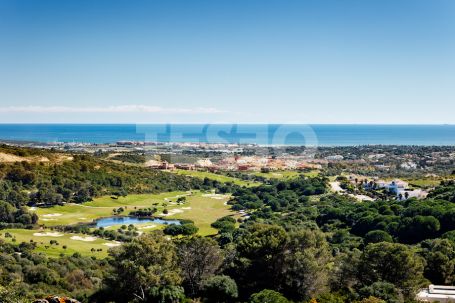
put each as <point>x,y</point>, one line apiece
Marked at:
<point>401,189</point>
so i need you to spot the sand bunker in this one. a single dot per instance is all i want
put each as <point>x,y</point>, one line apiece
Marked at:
<point>172,212</point>
<point>53,215</point>
<point>48,234</point>
<point>186,208</point>
<point>82,218</point>
<point>215,196</point>
<point>47,219</point>
<point>85,239</point>
<point>111,244</point>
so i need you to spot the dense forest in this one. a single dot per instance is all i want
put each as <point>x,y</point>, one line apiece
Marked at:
<point>292,249</point>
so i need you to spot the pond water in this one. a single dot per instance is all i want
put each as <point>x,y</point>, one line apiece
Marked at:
<point>106,222</point>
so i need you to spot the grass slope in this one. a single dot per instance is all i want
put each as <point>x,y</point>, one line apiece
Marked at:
<point>205,209</point>
<point>216,177</point>
<point>286,174</point>
<point>72,245</point>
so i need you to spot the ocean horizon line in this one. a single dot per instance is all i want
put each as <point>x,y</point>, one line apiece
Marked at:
<point>229,123</point>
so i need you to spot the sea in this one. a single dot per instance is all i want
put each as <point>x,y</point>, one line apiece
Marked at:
<point>259,134</point>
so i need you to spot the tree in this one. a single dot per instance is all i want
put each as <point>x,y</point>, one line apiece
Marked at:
<point>418,228</point>
<point>220,289</point>
<point>393,263</point>
<point>440,261</point>
<point>144,269</point>
<point>382,290</point>
<point>186,229</point>
<point>6,212</point>
<point>224,224</point>
<point>268,296</point>
<point>256,266</point>
<point>199,258</point>
<point>304,265</point>
<point>344,275</point>
<point>167,293</point>
<point>376,236</point>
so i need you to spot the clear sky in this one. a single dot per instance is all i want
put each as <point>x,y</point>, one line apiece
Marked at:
<point>268,61</point>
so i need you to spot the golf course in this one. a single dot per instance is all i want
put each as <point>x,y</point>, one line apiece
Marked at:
<point>203,208</point>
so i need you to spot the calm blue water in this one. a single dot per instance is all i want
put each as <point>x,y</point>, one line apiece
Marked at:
<point>324,135</point>
<point>106,222</point>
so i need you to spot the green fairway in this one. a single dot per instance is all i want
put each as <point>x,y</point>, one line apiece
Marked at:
<point>287,174</point>
<point>216,177</point>
<point>101,207</point>
<point>202,208</point>
<point>80,243</point>
<point>312,174</point>
<point>424,183</point>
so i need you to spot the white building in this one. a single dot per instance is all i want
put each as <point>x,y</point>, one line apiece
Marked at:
<point>395,186</point>
<point>437,293</point>
<point>204,163</point>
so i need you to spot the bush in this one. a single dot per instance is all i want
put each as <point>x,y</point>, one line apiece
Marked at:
<point>268,296</point>
<point>382,290</point>
<point>376,236</point>
<point>220,289</point>
<point>186,229</point>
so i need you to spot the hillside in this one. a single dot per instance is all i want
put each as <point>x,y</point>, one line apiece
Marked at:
<point>79,179</point>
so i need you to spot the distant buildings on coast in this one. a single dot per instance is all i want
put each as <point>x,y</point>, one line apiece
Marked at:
<point>241,163</point>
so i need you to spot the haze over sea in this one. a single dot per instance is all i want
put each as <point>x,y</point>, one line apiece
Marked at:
<point>261,134</point>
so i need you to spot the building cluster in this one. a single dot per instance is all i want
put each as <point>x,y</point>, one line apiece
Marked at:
<point>240,163</point>
<point>399,188</point>
<point>258,163</point>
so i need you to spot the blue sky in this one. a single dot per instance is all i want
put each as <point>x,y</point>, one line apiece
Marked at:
<point>280,61</point>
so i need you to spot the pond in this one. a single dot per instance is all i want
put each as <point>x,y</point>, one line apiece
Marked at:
<point>106,222</point>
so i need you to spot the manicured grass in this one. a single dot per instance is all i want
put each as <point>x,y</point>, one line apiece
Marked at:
<point>424,183</point>
<point>205,209</point>
<point>43,242</point>
<point>287,174</point>
<point>282,174</point>
<point>100,207</point>
<point>202,208</point>
<point>312,174</point>
<point>216,177</point>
